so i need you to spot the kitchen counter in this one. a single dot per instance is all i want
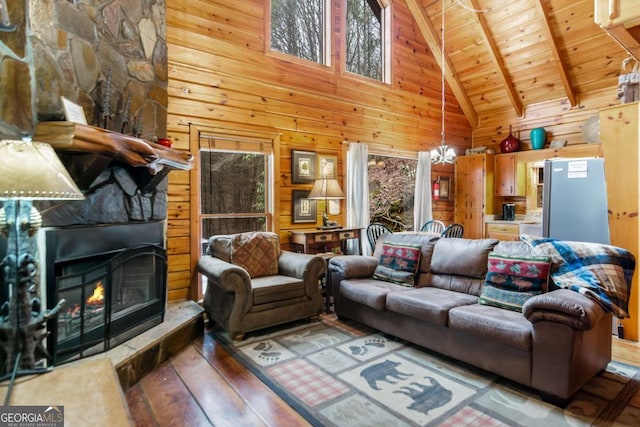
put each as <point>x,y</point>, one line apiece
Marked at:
<point>501,229</point>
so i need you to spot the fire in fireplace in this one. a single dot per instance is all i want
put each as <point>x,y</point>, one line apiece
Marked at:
<point>114,285</point>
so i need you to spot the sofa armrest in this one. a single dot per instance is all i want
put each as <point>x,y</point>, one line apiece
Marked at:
<point>564,306</point>
<point>229,277</point>
<point>352,266</point>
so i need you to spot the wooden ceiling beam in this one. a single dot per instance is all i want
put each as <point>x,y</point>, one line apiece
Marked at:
<point>541,8</point>
<point>432,38</point>
<point>496,58</point>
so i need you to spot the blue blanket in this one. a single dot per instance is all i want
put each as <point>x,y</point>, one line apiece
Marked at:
<point>601,272</point>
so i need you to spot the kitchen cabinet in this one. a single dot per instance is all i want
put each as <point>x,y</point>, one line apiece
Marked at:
<point>474,180</point>
<point>503,231</point>
<point>509,176</point>
<point>620,137</point>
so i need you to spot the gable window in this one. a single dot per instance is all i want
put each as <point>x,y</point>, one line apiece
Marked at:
<point>299,28</point>
<point>367,38</point>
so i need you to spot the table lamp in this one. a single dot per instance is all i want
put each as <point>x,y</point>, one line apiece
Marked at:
<point>327,189</point>
<point>28,171</point>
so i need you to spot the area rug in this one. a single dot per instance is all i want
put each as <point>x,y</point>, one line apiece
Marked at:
<point>337,373</point>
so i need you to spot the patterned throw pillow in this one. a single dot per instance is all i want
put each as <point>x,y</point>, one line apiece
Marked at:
<point>257,252</point>
<point>398,263</point>
<point>512,279</point>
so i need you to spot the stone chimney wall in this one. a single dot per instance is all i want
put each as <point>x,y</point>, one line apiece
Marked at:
<point>70,48</point>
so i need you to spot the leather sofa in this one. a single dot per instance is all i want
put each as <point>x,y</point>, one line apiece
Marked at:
<point>559,341</point>
<point>252,284</point>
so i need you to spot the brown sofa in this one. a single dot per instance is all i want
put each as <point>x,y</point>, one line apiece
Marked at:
<point>559,341</point>
<point>252,284</point>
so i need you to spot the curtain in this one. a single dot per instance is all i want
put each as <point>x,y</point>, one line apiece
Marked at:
<point>422,207</point>
<point>358,191</point>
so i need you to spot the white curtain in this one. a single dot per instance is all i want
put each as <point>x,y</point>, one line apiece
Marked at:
<point>422,207</point>
<point>358,191</point>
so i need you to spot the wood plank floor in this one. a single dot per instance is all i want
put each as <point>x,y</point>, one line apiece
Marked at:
<point>205,386</point>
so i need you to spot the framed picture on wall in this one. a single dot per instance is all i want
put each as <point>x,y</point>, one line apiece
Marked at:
<point>327,166</point>
<point>304,210</point>
<point>303,167</point>
<point>444,188</point>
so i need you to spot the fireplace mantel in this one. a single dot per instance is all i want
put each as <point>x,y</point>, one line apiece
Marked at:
<point>76,137</point>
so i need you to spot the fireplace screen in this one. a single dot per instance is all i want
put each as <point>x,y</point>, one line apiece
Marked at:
<point>110,298</point>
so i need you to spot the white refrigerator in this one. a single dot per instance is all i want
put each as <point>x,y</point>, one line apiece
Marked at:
<point>574,201</point>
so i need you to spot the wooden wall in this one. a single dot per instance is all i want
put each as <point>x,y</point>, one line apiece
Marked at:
<point>222,76</point>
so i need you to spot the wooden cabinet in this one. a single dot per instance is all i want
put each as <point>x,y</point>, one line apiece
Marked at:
<point>509,176</point>
<point>621,19</point>
<point>502,231</point>
<point>473,200</point>
<point>620,136</point>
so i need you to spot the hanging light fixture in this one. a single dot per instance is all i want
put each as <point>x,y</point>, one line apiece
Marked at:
<point>442,154</point>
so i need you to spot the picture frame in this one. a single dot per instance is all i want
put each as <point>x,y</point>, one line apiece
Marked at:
<point>327,166</point>
<point>303,167</point>
<point>445,188</point>
<point>304,209</point>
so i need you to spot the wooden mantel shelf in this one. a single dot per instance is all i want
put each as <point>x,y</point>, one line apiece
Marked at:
<point>69,136</point>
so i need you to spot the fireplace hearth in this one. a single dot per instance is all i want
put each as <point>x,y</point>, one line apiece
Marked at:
<point>113,279</point>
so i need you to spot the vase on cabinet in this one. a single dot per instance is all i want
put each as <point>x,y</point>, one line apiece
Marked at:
<point>510,143</point>
<point>538,138</point>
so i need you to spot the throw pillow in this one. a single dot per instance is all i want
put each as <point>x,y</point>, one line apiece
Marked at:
<point>601,272</point>
<point>257,252</point>
<point>398,263</point>
<point>512,279</point>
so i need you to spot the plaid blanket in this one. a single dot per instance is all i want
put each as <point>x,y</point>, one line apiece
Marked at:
<point>601,272</point>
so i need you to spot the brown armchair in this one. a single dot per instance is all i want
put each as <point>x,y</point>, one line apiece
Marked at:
<point>252,284</point>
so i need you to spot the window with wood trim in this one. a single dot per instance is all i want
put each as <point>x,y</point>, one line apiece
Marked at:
<point>300,28</point>
<point>236,185</point>
<point>368,38</point>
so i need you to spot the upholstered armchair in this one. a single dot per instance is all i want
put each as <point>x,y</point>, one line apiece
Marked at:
<point>253,284</point>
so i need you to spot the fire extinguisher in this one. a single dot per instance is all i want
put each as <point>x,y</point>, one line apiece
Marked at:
<point>436,189</point>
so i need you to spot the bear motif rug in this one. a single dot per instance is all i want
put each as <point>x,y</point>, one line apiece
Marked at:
<point>337,373</point>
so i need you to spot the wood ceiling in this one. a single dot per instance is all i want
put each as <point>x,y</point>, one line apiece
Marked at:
<point>516,53</point>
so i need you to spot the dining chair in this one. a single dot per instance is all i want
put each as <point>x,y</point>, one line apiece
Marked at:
<point>453,230</point>
<point>376,230</point>
<point>433,226</point>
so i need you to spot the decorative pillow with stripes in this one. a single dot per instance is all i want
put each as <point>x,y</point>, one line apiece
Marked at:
<point>513,279</point>
<point>398,263</point>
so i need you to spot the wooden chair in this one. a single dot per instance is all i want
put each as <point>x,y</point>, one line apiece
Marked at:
<point>375,231</point>
<point>433,226</point>
<point>453,230</point>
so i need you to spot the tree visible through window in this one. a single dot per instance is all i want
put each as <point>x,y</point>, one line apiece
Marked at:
<point>233,198</point>
<point>297,28</point>
<point>365,38</point>
<point>392,183</point>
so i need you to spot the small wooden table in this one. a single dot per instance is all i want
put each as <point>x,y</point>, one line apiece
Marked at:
<point>321,240</point>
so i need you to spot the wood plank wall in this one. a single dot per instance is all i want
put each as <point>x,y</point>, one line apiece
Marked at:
<point>222,76</point>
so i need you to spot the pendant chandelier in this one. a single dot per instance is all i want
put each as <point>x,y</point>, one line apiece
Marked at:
<point>442,154</point>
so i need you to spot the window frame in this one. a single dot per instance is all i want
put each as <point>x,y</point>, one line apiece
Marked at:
<point>385,26</point>
<point>327,39</point>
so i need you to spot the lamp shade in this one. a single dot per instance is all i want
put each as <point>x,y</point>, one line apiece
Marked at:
<point>326,189</point>
<point>32,170</point>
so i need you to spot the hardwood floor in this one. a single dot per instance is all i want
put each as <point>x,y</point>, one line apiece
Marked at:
<point>205,386</point>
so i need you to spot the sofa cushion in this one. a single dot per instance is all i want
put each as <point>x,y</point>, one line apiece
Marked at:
<point>430,304</point>
<point>512,280</point>
<point>369,292</point>
<point>275,288</point>
<point>257,252</point>
<point>462,257</point>
<point>398,263</point>
<point>503,326</point>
